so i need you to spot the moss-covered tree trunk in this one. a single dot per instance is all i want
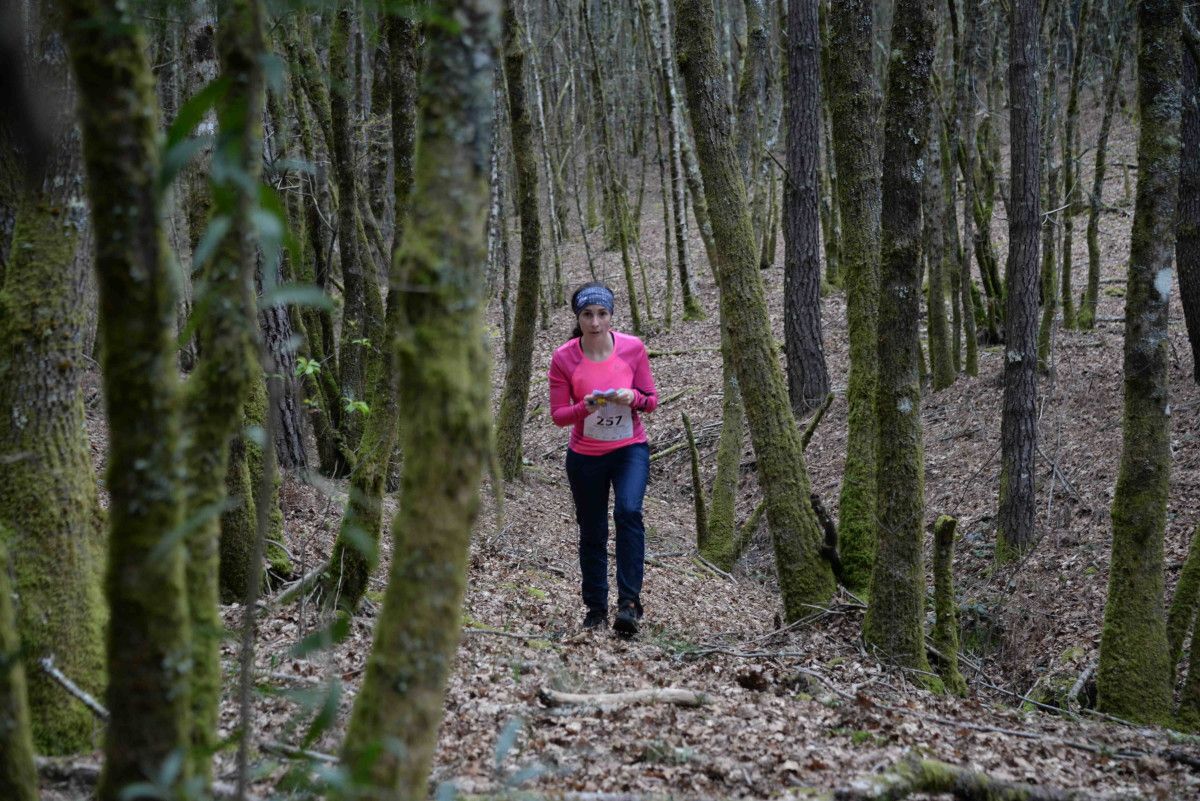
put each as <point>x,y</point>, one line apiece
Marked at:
<point>1134,676</point>
<point>355,552</point>
<point>1182,614</point>
<point>18,775</point>
<point>854,101</point>
<point>804,577</point>
<point>217,390</point>
<point>895,619</point>
<point>1018,422</point>
<point>393,728</point>
<point>148,637</point>
<point>1112,80</point>
<point>808,376</point>
<point>50,518</point>
<point>511,423</point>
<point>945,627</point>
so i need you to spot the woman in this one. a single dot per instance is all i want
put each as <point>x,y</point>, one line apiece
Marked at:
<point>600,383</point>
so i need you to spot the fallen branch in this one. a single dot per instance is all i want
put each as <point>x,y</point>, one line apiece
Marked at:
<point>667,695</point>
<point>674,396</point>
<point>292,752</point>
<point>1077,688</point>
<point>512,635</point>
<point>47,665</point>
<point>298,587</point>
<point>815,421</point>
<point>916,775</point>
<point>654,354</point>
<point>718,571</point>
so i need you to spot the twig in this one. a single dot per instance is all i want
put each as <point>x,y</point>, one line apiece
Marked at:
<point>47,665</point>
<point>292,752</point>
<point>297,588</point>
<point>668,695</point>
<point>1077,687</point>
<point>654,354</point>
<point>715,569</point>
<point>58,770</point>
<point>513,635</point>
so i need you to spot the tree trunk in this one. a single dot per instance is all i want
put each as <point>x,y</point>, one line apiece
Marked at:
<point>855,104</point>
<point>895,619</point>
<point>148,636</point>
<point>1134,676</point>
<point>945,627</point>
<point>356,549</point>
<point>50,517</point>
<point>941,356</point>
<point>1187,244</point>
<point>808,377</point>
<point>1071,172</point>
<point>1112,80</point>
<point>515,397</point>
<point>804,577</point>
<point>1018,422</point>
<point>447,426</point>
<point>221,382</point>
<point>18,775</point>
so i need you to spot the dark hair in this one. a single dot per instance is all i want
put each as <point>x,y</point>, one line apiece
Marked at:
<point>577,331</point>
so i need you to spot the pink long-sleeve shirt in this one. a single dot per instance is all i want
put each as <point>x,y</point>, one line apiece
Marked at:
<point>573,375</point>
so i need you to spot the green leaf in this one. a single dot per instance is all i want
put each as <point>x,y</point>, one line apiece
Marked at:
<point>214,234</point>
<point>326,716</point>
<point>296,295</point>
<point>193,111</point>
<point>337,631</point>
<point>177,156</point>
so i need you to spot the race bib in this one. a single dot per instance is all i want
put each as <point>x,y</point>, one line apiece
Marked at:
<point>610,422</point>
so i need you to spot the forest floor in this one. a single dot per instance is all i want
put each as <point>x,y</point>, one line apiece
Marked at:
<point>786,710</point>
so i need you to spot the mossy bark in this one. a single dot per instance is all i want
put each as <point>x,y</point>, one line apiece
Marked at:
<point>894,621</point>
<point>966,356</point>
<point>945,627</point>
<point>357,545</point>
<point>148,637</point>
<point>1049,272</point>
<point>1018,424</point>
<point>1112,80</point>
<point>50,517</point>
<point>1134,675</point>
<point>721,546</point>
<point>393,729</point>
<point>804,576</point>
<point>515,397</point>
<point>854,100</point>
<point>698,502</point>
<point>1187,243</point>
<point>221,381</point>
<point>18,775</point>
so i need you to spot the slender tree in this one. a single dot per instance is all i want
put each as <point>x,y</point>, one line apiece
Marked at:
<point>894,621</point>
<point>1134,675</point>
<point>805,578</point>
<point>148,635</point>
<point>941,356</point>
<point>1018,423</point>
<point>515,397</point>
<point>1070,158</point>
<point>50,517</point>
<point>854,101</point>
<point>393,728</point>
<point>355,551</point>
<point>808,376</point>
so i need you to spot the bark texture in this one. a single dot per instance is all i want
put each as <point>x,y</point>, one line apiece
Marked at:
<point>18,775</point>
<point>1018,423</point>
<point>894,620</point>
<point>854,101</point>
<point>808,376</point>
<point>393,728</point>
<point>945,627</point>
<point>515,396</point>
<point>804,577</point>
<point>50,518</point>
<point>1187,243</point>
<point>1134,676</point>
<point>148,636</point>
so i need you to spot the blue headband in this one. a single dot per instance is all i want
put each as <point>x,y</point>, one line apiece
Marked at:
<point>594,295</point>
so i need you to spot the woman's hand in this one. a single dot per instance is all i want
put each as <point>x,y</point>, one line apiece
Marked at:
<point>625,396</point>
<point>590,401</point>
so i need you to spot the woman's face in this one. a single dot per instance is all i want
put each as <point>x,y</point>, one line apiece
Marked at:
<point>595,320</point>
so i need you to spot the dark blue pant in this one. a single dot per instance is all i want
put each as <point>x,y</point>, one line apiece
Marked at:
<point>626,470</point>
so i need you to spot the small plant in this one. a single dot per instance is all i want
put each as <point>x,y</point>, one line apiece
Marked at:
<point>307,367</point>
<point>356,407</point>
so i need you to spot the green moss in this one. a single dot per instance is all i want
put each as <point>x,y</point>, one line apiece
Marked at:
<point>18,775</point>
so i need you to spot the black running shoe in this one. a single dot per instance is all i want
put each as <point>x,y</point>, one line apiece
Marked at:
<point>595,619</point>
<point>627,619</point>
